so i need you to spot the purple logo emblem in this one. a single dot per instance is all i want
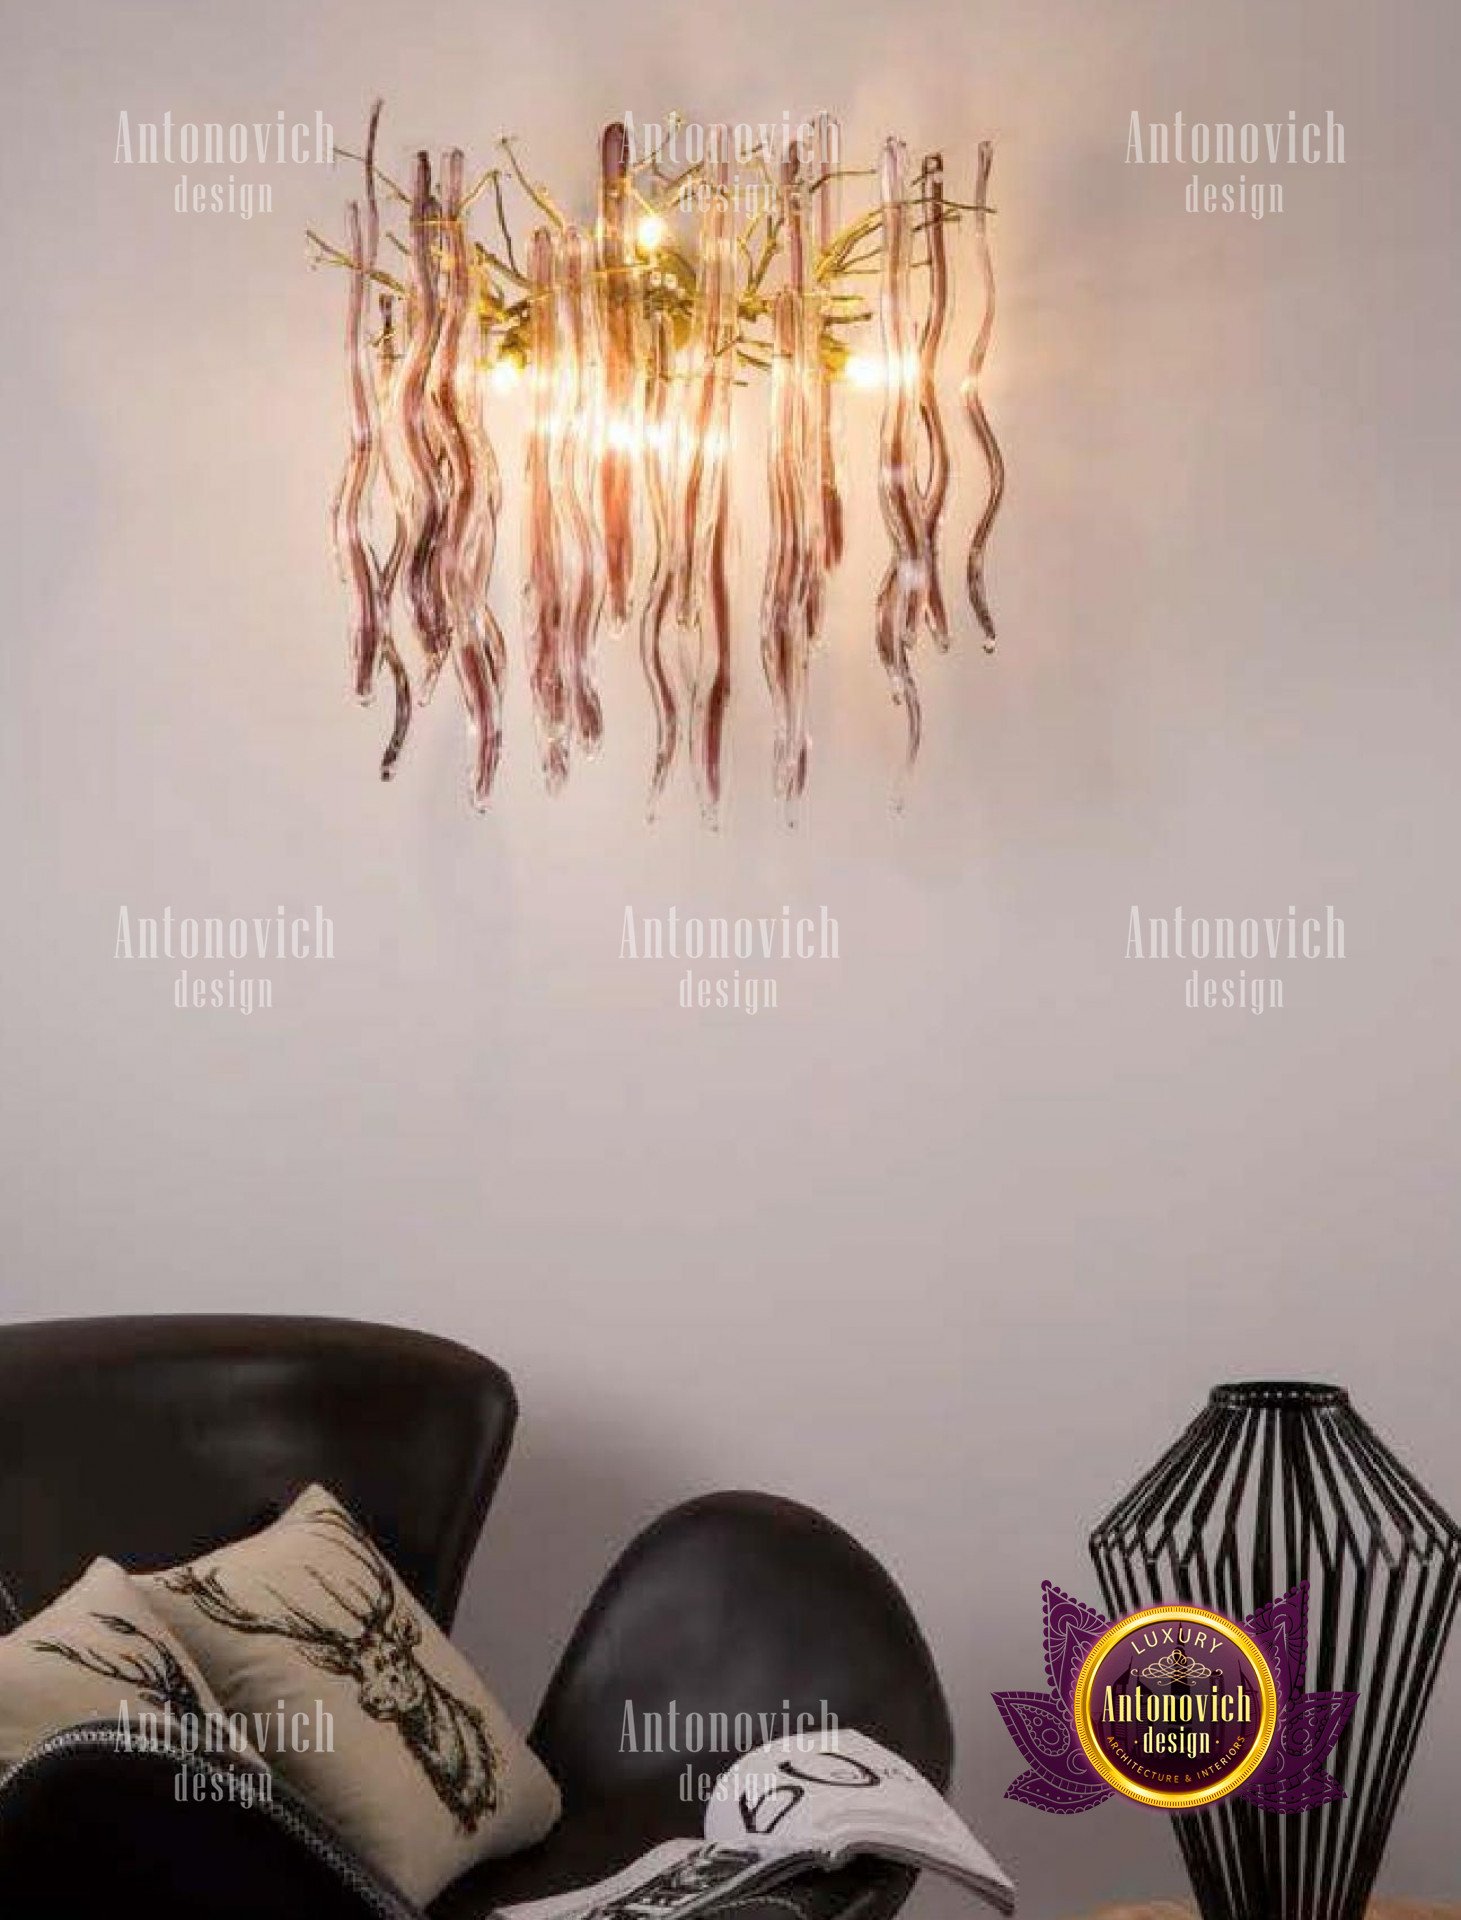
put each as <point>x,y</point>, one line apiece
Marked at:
<point>1175,1707</point>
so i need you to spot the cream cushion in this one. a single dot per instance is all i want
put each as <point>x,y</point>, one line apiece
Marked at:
<point>364,1705</point>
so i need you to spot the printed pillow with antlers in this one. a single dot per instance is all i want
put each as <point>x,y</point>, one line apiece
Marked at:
<point>361,1701</point>
<point>97,1650</point>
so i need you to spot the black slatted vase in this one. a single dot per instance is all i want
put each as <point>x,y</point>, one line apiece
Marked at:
<point>1273,1483</point>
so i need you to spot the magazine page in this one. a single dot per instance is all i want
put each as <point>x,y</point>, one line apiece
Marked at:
<point>838,1793</point>
<point>668,1883</point>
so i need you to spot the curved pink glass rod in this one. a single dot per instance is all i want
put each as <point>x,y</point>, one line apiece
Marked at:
<point>544,591</point>
<point>704,509</point>
<point>367,619</point>
<point>934,486</point>
<point>481,543</point>
<point>974,405</point>
<point>372,582</point>
<point>711,370</point>
<point>826,206</point>
<point>785,600</point>
<point>803,377</point>
<point>659,482</point>
<point>463,548</point>
<point>615,479</point>
<point>580,347</point>
<point>426,507</point>
<point>713,681</point>
<point>905,584</point>
<point>390,569</point>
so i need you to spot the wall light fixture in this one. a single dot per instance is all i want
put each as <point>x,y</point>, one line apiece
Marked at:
<point>631,340</point>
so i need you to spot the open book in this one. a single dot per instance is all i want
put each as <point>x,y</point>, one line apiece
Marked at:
<point>813,1800</point>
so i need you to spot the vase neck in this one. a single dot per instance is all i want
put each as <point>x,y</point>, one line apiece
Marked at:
<point>1248,1396</point>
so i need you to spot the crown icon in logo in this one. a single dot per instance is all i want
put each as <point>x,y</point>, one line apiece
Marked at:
<point>1176,1666</point>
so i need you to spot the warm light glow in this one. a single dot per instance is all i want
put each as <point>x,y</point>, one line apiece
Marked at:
<point>651,233</point>
<point>869,371</point>
<point>506,375</point>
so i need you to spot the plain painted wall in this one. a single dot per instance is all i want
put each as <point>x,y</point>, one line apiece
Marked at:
<point>953,1242</point>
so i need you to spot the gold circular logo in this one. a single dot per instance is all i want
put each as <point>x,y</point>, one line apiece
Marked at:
<point>1175,1706</point>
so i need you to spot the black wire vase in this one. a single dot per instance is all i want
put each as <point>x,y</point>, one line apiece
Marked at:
<point>1273,1483</point>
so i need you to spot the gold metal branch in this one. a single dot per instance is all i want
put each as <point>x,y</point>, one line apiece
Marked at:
<point>670,276</point>
<point>539,196</point>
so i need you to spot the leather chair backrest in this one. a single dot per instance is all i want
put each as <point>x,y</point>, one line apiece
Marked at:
<point>153,1439</point>
<point>735,1603</point>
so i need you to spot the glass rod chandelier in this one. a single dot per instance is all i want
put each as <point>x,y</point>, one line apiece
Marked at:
<point>633,340</point>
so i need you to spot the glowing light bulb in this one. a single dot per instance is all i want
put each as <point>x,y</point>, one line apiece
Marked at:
<point>864,370</point>
<point>651,233</point>
<point>506,373</point>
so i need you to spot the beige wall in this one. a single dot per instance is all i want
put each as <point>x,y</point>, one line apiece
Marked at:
<point>953,1242</point>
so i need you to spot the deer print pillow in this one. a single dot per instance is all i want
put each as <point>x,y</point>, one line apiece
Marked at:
<point>99,1652</point>
<point>362,1702</point>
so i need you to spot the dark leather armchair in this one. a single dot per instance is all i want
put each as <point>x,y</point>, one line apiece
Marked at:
<point>153,1439</point>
